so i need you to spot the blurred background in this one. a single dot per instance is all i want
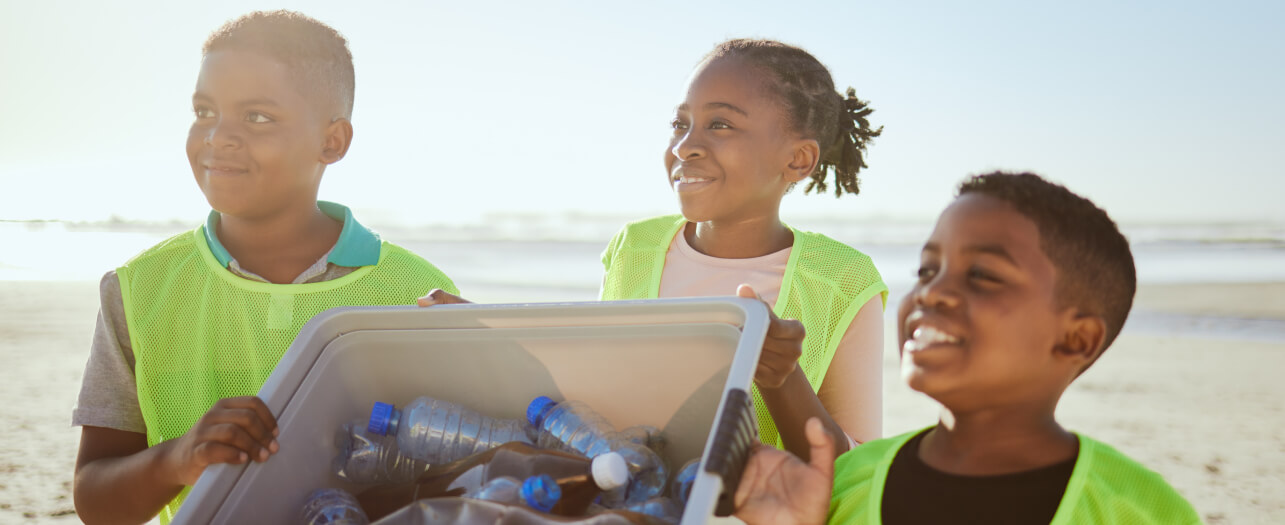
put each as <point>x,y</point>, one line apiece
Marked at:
<point>507,141</point>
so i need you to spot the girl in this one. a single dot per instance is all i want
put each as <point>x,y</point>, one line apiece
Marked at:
<point>759,117</point>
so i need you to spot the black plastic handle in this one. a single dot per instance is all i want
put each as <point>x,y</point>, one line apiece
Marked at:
<point>735,438</point>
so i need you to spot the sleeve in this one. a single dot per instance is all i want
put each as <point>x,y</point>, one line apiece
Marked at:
<point>607,254</point>
<point>108,392</point>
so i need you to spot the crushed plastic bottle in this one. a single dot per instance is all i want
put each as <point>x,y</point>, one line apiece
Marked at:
<point>463,511</point>
<point>538,492</point>
<point>332,507</point>
<point>368,458</point>
<point>438,431</point>
<point>681,488</point>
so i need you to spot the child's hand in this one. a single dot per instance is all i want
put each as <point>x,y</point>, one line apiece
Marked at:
<point>781,348</point>
<point>439,296</point>
<point>234,430</point>
<point>777,487</point>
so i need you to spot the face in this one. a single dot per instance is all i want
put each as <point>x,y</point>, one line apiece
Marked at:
<point>256,144</point>
<point>731,145</point>
<point>980,325</point>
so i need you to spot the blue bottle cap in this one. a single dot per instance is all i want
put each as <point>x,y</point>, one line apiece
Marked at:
<point>541,492</point>
<point>536,410</point>
<point>380,415</point>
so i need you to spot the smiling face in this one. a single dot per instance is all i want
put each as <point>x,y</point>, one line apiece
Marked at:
<point>729,158</point>
<point>981,325</point>
<point>257,144</point>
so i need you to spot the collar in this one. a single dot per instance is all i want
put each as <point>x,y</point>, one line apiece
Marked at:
<point>357,245</point>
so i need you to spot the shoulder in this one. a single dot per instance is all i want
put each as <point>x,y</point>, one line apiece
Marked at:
<point>859,475</point>
<point>849,269</point>
<point>177,242</point>
<point>1116,487</point>
<point>650,226</point>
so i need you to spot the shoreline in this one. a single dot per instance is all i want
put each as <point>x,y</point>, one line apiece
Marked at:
<point>1204,412</point>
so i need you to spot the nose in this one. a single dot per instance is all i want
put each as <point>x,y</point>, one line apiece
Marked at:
<point>222,134</point>
<point>937,292</point>
<point>688,146</point>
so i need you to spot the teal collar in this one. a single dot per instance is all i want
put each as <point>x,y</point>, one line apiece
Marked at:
<point>357,245</point>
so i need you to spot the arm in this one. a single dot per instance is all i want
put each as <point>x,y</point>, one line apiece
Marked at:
<point>784,387</point>
<point>119,479</point>
<point>777,488</point>
<point>852,391</point>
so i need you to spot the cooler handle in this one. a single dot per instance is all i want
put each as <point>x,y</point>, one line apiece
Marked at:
<point>735,438</point>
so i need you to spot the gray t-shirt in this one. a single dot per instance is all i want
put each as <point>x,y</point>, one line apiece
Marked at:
<point>109,391</point>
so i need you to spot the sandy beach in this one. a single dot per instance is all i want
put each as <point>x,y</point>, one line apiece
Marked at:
<point>1205,412</point>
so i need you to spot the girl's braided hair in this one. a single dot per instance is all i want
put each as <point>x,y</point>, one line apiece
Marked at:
<point>815,109</point>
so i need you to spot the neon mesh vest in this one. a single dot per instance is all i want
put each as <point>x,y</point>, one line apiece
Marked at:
<point>1106,487</point>
<point>825,284</point>
<point>201,333</point>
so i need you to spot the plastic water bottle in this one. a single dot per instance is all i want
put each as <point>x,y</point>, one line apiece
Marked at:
<point>438,431</point>
<point>575,427</point>
<point>332,507</point>
<point>463,511</point>
<point>682,487</point>
<point>660,508</point>
<point>579,480</point>
<point>538,492</point>
<point>368,458</point>
<point>645,435</point>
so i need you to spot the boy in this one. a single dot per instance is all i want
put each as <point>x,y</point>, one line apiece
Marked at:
<point>189,329</point>
<point>1022,286</point>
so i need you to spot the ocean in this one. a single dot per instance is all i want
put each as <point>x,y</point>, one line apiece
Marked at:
<point>523,258</point>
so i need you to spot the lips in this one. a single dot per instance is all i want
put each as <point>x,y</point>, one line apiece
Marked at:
<point>686,180</point>
<point>925,337</point>
<point>219,168</point>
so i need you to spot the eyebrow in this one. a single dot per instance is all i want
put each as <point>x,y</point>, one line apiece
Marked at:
<point>990,249</point>
<point>716,105</point>
<point>252,102</point>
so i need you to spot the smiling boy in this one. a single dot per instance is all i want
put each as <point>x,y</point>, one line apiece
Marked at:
<point>189,329</point>
<point>1022,285</point>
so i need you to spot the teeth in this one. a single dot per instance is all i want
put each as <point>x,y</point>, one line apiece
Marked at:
<point>925,336</point>
<point>689,180</point>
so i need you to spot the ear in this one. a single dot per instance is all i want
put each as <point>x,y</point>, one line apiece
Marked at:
<point>805,155</point>
<point>1082,339</point>
<point>336,141</point>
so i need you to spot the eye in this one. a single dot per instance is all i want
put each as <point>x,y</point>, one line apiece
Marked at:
<point>926,273</point>
<point>203,112</point>
<point>978,274</point>
<point>678,125</point>
<point>257,118</point>
<point>718,124</point>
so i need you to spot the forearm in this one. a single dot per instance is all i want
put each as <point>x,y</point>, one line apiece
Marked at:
<point>791,405</point>
<point>125,489</point>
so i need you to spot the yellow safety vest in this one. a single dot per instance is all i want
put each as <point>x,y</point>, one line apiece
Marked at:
<point>826,283</point>
<point>200,333</point>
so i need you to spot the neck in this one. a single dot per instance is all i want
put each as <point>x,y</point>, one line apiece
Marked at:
<point>740,239</point>
<point>279,247</point>
<point>997,441</point>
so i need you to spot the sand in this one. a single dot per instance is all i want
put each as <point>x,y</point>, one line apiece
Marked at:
<point>1205,413</point>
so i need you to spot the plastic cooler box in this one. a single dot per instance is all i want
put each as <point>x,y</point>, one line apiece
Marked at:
<point>681,365</point>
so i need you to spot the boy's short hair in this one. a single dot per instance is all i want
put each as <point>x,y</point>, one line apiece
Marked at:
<point>316,55</point>
<point>1093,260</point>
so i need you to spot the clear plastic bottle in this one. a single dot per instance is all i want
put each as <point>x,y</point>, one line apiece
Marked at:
<point>575,427</point>
<point>438,431</point>
<point>538,492</point>
<point>332,507</point>
<point>681,489</point>
<point>660,507</point>
<point>579,480</point>
<point>463,511</point>
<point>368,458</point>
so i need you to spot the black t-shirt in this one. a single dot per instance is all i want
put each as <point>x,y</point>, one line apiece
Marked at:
<point>916,493</point>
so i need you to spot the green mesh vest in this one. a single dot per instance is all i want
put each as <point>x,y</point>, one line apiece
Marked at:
<point>200,333</point>
<point>1106,487</point>
<point>825,284</point>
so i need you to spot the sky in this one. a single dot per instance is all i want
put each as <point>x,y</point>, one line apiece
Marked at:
<point>1161,111</point>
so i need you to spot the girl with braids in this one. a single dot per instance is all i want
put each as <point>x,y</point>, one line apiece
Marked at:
<point>758,118</point>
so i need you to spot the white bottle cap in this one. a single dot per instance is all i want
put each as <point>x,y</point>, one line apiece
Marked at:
<point>609,471</point>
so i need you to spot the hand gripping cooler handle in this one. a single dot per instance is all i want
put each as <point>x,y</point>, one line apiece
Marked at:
<point>735,438</point>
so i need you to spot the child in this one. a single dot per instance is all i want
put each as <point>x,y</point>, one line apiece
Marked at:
<point>1022,286</point>
<point>759,117</point>
<point>189,329</point>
